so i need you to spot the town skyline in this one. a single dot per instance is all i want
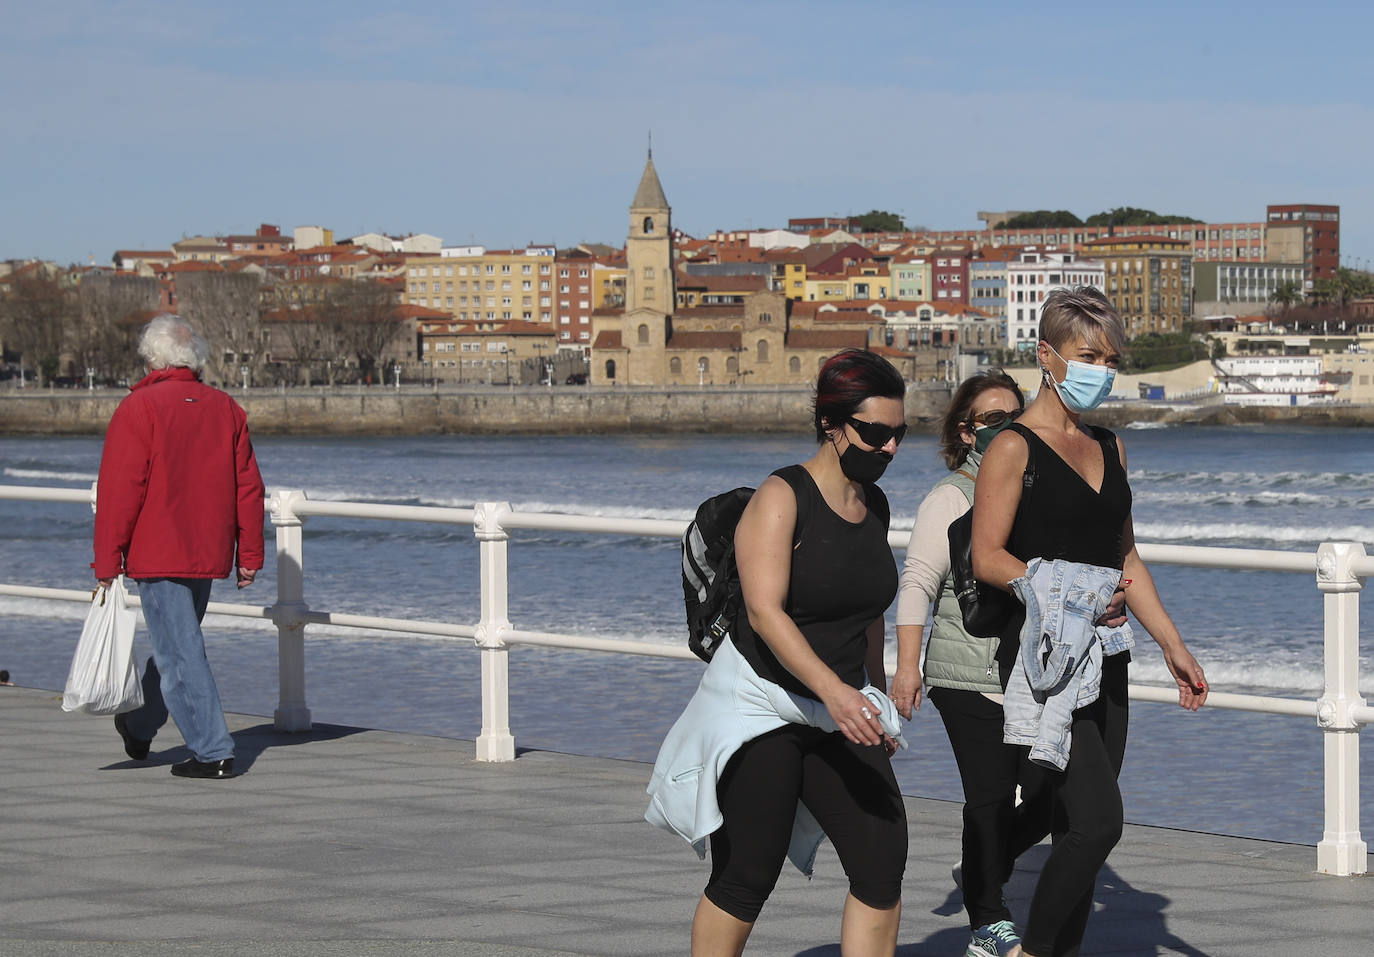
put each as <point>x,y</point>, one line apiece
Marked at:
<point>144,122</point>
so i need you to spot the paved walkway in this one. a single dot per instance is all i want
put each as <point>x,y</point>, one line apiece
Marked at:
<point>353,842</point>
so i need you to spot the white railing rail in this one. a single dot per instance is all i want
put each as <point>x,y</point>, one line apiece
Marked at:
<point>1340,569</point>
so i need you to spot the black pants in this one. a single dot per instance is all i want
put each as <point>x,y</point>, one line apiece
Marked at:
<point>849,788</point>
<point>996,830</point>
<point>1086,819</point>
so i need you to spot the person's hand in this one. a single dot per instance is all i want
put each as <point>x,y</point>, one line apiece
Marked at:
<point>889,745</point>
<point>854,715</point>
<point>104,582</point>
<point>1192,683</point>
<point>906,691</point>
<point>1114,615</point>
<point>246,576</point>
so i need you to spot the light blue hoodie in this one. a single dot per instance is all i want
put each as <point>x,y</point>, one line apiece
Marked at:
<point>1059,666</point>
<point>733,705</point>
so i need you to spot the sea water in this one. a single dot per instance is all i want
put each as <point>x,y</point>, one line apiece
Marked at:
<point>1229,772</point>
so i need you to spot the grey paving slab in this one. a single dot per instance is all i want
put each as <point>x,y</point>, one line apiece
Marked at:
<point>345,841</point>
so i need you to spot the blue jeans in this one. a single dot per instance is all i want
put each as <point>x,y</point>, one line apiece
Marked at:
<point>177,678</point>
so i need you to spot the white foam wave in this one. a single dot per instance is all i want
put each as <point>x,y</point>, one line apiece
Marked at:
<point>49,475</point>
<point>1335,481</point>
<point>1260,498</point>
<point>1185,532</point>
<point>1148,425</point>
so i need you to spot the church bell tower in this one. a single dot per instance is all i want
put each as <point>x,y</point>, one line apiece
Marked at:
<point>650,285</point>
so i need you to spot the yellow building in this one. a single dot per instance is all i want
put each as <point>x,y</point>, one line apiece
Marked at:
<point>490,352</point>
<point>1149,280</point>
<point>476,284</point>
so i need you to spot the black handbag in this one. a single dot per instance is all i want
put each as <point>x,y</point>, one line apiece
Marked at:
<point>986,610</point>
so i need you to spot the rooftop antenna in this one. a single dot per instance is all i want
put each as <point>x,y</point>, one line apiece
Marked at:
<point>651,144</point>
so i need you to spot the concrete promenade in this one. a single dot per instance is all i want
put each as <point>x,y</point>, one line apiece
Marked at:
<point>346,841</point>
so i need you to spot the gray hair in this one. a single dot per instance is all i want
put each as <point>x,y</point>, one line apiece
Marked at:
<point>1082,311</point>
<point>168,340</point>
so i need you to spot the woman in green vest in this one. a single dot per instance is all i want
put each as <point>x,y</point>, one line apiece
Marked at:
<point>961,671</point>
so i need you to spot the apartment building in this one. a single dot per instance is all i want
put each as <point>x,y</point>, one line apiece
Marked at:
<point>1030,275</point>
<point>474,283</point>
<point>1149,280</point>
<point>1307,234</point>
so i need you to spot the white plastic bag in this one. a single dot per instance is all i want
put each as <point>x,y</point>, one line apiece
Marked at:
<point>103,679</point>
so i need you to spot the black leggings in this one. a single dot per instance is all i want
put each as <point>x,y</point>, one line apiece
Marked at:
<point>849,788</point>
<point>1087,819</point>
<point>996,830</point>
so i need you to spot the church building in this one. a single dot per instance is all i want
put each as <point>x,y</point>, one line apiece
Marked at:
<point>652,341</point>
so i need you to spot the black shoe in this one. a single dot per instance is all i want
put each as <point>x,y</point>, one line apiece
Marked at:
<point>191,768</point>
<point>133,747</point>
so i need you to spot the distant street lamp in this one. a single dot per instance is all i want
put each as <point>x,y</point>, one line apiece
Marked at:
<point>90,379</point>
<point>244,370</point>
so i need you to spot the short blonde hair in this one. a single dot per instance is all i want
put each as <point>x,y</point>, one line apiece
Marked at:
<point>1080,312</point>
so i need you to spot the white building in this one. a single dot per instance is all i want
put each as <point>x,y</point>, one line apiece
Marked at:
<point>1273,380</point>
<point>419,243</point>
<point>1030,277</point>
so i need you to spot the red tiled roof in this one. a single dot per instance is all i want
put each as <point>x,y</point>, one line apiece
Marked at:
<point>705,340</point>
<point>722,283</point>
<point>833,339</point>
<point>608,339</point>
<point>412,311</point>
<point>1134,238</point>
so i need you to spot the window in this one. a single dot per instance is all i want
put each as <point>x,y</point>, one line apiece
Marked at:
<point>762,350</point>
<point>643,334</point>
<point>648,292</point>
<point>610,368</point>
<point>648,225</point>
<point>765,317</point>
<point>675,365</point>
<point>703,365</point>
<point>648,272</point>
<point>794,364</point>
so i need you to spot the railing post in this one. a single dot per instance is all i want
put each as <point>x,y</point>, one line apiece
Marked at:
<point>289,613</point>
<point>495,743</point>
<point>1341,851</point>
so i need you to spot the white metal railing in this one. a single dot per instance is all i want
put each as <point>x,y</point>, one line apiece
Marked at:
<point>1340,569</point>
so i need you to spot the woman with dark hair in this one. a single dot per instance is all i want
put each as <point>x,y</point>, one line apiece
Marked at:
<point>961,669</point>
<point>816,574</point>
<point>1069,531</point>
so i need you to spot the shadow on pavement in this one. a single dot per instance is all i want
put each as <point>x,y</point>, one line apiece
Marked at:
<point>249,743</point>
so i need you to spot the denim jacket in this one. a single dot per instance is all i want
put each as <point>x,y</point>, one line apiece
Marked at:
<point>1059,667</point>
<point>733,705</point>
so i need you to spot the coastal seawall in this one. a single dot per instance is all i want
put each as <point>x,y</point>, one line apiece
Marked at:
<point>578,410</point>
<point>417,411</point>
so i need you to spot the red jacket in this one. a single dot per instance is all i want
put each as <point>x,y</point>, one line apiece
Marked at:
<point>179,486</point>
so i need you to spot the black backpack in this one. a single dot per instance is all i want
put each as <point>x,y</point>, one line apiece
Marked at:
<point>710,580</point>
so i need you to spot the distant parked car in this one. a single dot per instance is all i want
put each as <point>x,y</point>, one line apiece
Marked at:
<point>577,378</point>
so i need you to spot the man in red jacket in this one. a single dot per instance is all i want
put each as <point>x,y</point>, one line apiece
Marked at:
<point>179,493</point>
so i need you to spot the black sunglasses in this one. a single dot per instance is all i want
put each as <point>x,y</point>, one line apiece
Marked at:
<point>995,418</point>
<point>876,434</point>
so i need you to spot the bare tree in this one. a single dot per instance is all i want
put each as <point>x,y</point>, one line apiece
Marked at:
<point>313,337</point>
<point>104,336</point>
<point>34,318</point>
<point>366,320</point>
<point>225,307</point>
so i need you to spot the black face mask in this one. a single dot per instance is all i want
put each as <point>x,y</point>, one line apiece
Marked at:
<point>863,465</point>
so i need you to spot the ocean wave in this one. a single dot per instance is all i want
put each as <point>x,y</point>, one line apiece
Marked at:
<point>1244,499</point>
<point>1337,481</point>
<point>1251,532</point>
<point>50,475</point>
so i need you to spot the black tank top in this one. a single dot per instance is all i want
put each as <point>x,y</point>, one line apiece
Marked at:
<point>1060,516</point>
<point>843,577</point>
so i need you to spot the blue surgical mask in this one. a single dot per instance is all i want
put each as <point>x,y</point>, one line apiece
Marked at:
<point>1084,385</point>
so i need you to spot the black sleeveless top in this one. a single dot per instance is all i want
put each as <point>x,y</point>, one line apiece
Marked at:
<point>843,577</point>
<point>1060,516</point>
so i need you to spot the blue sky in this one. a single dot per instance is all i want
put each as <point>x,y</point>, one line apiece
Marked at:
<point>129,124</point>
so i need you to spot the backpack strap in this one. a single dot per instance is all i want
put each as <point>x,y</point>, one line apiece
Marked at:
<point>804,489</point>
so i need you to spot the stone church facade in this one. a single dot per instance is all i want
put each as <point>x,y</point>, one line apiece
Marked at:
<point>651,342</point>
